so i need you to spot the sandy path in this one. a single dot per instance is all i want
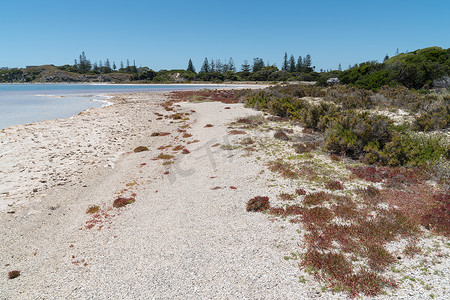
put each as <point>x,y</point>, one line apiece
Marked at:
<point>186,236</point>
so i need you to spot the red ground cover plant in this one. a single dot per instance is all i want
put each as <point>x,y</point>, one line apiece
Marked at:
<point>284,169</point>
<point>236,132</point>
<point>224,96</point>
<point>286,196</point>
<point>334,185</point>
<point>13,274</point>
<point>259,203</point>
<point>300,192</point>
<point>121,202</point>
<point>361,234</point>
<point>160,133</point>
<point>281,135</point>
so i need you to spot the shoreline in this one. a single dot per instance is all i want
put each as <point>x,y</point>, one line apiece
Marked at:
<point>107,94</point>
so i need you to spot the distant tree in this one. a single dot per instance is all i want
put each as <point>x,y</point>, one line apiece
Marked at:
<point>386,58</point>
<point>205,66</point>
<point>258,64</point>
<point>245,67</point>
<point>114,65</point>
<point>128,64</point>
<point>285,62</point>
<point>397,52</point>
<point>219,66</point>
<point>107,64</point>
<point>134,63</point>
<point>212,66</point>
<point>299,66</point>
<point>340,67</point>
<point>100,64</point>
<point>95,68</point>
<point>190,66</point>
<point>84,65</point>
<point>307,63</point>
<point>231,66</point>
<point>121,65</point>
<point>292,64</point>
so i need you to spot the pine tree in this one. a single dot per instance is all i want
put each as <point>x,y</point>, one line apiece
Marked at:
<point>285,62</point>
<point>219,66</point>
<point>258,64</point>
<point>231,66</point>
<point>340,67</point>
<point>190,66</point>
<point>84,65</point>
<point>107,64</point>
<point>307,63</point>
<point>299,66</point>
<point>212,66</point>
<point>114,66</point>
<point>245,66</point>
<point>292,64</point>
<point>121,65</point>
<point>386,58</point>
<point>205,66</point>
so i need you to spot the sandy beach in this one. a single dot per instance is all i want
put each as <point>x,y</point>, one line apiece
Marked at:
<point>186,236</point>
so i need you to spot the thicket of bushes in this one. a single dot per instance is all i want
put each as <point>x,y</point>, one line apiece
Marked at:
<point>360,135</point>
<point>419,69</point>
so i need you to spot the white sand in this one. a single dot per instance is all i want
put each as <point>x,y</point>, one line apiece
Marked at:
<point>180,239</point>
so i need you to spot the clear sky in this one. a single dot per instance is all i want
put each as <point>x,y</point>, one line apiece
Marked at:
<point>165,34</point>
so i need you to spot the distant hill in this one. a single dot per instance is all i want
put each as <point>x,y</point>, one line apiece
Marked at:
<point>423,68</point>
<point>50,73</point>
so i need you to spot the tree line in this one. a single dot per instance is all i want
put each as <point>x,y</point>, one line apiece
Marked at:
<point>83,65</point>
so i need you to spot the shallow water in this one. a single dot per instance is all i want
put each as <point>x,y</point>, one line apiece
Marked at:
<point>28,103</point>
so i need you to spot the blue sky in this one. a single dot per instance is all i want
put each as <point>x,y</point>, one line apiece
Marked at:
<point>165,34</point>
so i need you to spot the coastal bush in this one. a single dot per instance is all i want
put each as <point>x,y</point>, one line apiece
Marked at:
<point>438,118</point>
